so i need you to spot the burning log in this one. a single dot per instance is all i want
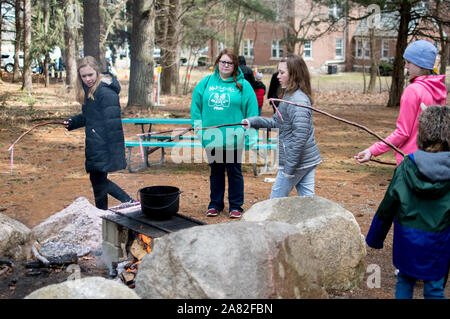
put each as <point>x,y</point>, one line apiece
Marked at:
<point>128,277</point>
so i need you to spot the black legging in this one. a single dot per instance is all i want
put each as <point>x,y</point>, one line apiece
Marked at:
<point>103,186</point>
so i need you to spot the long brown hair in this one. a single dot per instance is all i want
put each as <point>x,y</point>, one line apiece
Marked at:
<point>299,77</point>
<point>235,60</point>
<point>92,62</point>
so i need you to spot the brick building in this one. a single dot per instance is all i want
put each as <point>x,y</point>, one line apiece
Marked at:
<point>346,46</point>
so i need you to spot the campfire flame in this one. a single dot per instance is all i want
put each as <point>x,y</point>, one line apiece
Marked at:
<point>147,242</point>
<point>141,246</point>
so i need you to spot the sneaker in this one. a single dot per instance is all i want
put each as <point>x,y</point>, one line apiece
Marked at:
<point>235,213</point>
<point>212,212</point>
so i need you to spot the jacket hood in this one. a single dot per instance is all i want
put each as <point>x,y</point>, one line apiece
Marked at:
<point>435,166</point>
<point>427,174</point>
<point>111,82</point>
<point>242,61</point>
<point>435,85</point>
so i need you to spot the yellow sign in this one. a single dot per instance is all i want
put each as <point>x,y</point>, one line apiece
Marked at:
<point>158,69</point>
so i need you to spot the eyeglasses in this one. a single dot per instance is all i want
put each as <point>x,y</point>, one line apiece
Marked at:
<point>226,63</point>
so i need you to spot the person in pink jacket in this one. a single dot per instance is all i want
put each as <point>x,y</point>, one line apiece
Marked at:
<point>425,87</point>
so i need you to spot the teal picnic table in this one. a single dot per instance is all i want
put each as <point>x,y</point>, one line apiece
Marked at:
<point>149,143</point>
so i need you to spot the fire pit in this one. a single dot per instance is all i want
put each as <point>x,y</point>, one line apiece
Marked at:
<point>128,236</point>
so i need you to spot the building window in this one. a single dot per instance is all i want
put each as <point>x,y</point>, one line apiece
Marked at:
<point>385,49</point>
<point>307,50</point>
<point>248,48</point>
<point>335,11</point>
<point>339,48</point>
<point>277,49</point>
<point>362,49</point>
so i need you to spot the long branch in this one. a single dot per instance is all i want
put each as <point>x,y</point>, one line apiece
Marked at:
<point>37,125</point>
<point>185,130</point>
<point>345,121</point>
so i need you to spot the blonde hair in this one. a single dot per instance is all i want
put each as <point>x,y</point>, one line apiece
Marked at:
<point>80,93</point>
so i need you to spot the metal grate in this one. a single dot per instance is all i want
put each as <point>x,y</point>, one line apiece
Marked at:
<point>138,222</point>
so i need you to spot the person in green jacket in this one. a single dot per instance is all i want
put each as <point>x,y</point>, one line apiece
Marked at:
<point>224,97</point>
<point>417,202</point>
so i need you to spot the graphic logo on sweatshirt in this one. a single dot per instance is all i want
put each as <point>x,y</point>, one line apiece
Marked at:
<point>219,101</point>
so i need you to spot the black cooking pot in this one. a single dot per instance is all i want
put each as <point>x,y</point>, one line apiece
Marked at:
<point>159,202</point>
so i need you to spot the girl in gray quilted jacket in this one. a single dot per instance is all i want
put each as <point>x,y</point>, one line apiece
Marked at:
<point>298,151</point>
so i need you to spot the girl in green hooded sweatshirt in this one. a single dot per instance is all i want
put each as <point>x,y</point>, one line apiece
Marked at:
<point>224,97</point>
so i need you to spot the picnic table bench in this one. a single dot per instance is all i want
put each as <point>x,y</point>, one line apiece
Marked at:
<point>151,143</point>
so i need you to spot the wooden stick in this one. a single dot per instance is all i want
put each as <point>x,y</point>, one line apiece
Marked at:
<point>38,255</point>
<point>150,151</point>
<point>185,130</point>
<point>381,162</point>
<point>345,121</point>
<point>11,148</point>
<point>37,125</point>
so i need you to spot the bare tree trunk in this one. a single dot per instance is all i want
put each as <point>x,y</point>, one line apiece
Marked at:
<point>398,77</point>
<point>70,38</point>
<point>443,39</point>
<point>236,42</point>
<point>140,92</point>
<point>19,32</point>
<point>364,74</point>
<point>373,60</point>
<point>27,80</point>
<point>47,55</point>
<point>444,56</point>
<point>91,31</point>
<point>170,61</point>
<point>1,28</point>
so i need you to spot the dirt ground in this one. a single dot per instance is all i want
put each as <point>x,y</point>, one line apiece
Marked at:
<point>48,172</point>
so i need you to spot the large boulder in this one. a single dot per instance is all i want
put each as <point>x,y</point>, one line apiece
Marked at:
<point>85,288</point>
<point>14,238</point>
<point>80,224</point>
<point>331,243</point>
<point>229,260</point>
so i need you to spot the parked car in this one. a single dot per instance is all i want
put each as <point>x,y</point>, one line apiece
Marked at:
<point>8,61</point>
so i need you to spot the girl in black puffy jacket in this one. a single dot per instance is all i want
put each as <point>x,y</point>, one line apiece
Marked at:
<point>104,143</point>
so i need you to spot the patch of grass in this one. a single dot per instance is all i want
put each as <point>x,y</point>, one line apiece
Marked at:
<point>348,81</point>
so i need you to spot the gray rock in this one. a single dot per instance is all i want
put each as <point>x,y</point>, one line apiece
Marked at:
<point>79,224</point>
<point>85,288</point>
<point>14,238</point>
<point>331,243</point>
<point>228,260</point>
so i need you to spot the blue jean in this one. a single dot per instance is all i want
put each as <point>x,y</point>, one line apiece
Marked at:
<point>432,289</point>
<point>303,181</point>
<point>231,163</point>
